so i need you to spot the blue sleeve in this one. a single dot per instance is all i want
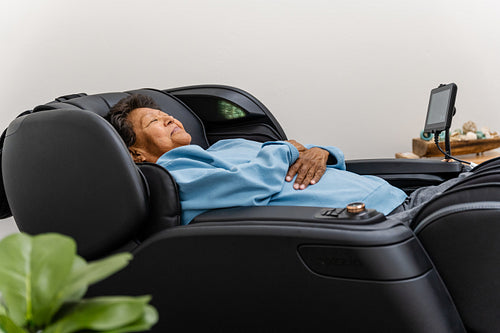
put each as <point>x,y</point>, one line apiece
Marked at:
<point>206,180</point>
<point>336,156</point>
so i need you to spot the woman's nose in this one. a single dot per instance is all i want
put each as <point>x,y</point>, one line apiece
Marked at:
<point>167,119</point>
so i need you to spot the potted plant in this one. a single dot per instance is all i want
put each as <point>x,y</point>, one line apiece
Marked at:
<point>42,284</point>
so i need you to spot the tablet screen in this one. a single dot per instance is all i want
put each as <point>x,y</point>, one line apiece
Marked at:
<point>440,110</point>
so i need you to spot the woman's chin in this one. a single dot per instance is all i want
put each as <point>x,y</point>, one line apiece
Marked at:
<point>181,137</point>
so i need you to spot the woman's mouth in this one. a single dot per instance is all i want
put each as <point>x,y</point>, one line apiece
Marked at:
<point>175,130</point>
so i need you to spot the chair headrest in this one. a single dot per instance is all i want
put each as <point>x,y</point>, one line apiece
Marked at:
<point>101,104</point>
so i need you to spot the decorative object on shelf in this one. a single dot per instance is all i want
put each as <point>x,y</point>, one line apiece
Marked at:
<point>43,281</point>
<point>466,140</point>
<point>469,126</point>
<point>469,131</point>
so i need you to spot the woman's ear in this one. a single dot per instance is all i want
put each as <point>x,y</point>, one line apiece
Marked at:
<point>136,155</point>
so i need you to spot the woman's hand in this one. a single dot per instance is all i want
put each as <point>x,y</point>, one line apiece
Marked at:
<point>309,167</point>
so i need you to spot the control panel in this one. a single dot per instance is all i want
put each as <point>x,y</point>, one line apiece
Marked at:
<point>353,212</point>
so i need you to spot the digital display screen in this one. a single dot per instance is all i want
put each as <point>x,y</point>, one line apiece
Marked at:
<point>438,107</point>
<point>440,110</point>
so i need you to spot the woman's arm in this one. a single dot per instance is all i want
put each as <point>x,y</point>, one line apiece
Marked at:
<point>207,181</point>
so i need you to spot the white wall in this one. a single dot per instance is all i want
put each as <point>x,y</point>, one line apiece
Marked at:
<point>353,73</point>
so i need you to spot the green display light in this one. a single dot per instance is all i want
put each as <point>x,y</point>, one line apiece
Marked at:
<point>230,111</point>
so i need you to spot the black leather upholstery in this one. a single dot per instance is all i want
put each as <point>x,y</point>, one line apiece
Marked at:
<point>459,230</point>
<point>67,149</point>
<point>164,207</point>
<point>288,275</point>
<point>229,112</point>
<point>101,103</point>
<point>68,171</point>
<point>407,175</point>
<point>65,169</point>
<point>4,204</point>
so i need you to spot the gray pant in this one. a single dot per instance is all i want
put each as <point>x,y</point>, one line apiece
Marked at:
<point>409,208</point>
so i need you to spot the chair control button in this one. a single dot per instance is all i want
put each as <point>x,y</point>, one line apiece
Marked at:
<point>355,207</point>
<point>326,212</point>
<point>332,212</point>
<point>354,213</point>
<point>337,211</point>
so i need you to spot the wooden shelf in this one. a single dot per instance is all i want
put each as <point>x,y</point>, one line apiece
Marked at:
<point>428,148</point>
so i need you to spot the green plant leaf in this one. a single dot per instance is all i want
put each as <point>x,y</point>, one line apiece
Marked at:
<point>93,272</point>
<point>78,264</point>
<point>61,297</point>
<point>8,326</point>
<point>39,274</point>
<point>52,260</point>
<point>84,274</point>
<point>14,253</point>
<point>148,319</point>
<point>32,271</point>
<point>101,314</point>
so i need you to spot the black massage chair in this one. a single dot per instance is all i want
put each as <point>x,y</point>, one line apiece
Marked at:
<point>292,269</point>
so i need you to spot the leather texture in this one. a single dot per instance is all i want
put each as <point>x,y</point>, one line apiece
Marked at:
<point>164,207</point>
<point>68,171</point>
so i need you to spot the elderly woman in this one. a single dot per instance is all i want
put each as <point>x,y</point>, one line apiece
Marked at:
<point>240,172</point>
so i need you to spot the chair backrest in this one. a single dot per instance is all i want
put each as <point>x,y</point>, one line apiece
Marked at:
<point>65,169</point>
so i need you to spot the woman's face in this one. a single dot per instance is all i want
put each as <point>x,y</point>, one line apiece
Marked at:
<point>156,133</point>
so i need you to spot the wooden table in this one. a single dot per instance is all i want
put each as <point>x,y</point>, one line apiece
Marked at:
<point>462,147</point>
<point>474,158</point>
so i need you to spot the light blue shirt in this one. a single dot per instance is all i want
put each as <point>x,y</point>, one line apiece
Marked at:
<point>240,172</point>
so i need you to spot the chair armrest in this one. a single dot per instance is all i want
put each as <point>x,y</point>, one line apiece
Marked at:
<point>407,175</point>
<point>163,199</point>
<point>293,215</point>
<point>404,166</point>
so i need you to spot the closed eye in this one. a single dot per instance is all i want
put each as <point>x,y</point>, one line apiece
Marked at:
<point>152,121</point>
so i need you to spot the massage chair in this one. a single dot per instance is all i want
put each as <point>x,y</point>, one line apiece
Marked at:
<point>260,269</point>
